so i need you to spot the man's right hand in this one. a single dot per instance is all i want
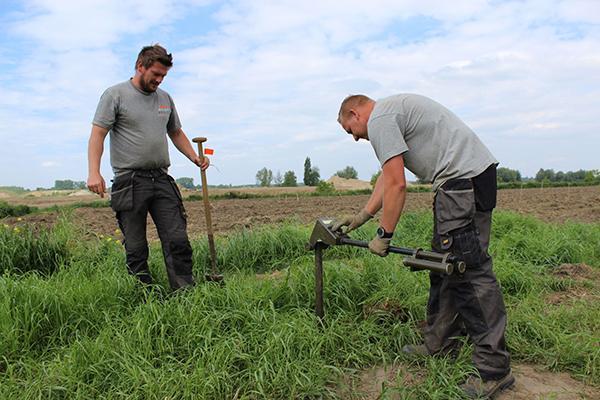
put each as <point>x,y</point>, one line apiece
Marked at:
<point>95,183</point>
<point>351,222</point>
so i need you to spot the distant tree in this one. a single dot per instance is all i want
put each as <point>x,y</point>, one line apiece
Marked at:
<point>548,175</point>
<point>277,179</point>
<point>589,177</point>
<point>307,170</point>
<point>348,173</point>
<point>264,177</point>
<point>311,174</point>
<point>315,176</point>
<point>575,176</point>
<point>508,175</point>
<point>289,179</point>
<point>545,175</point>
<point>374,178</point>
<point>68,184</point>
<point>185,182</point>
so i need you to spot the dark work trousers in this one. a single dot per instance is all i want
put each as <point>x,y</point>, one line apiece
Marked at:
<point>133,196</point>
<point>470,303</point>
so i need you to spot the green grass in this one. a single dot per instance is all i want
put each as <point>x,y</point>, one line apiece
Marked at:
<point>73,325</point>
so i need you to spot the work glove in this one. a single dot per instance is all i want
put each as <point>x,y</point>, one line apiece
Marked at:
<point>351,222</point>
<point>380,246</point>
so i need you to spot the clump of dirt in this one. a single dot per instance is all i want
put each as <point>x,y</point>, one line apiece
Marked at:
<point>574,271</point>
<point>348,184</point>
<point>572,294</point>
<point>386,310</point>
<point>371,383</point>
<point>532,382</point>
<point>585,286</point>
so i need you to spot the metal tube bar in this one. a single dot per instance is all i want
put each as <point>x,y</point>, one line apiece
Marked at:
<point>417,253</point>
<point>319,281</point>
<point>444,268</point>
<point>392,249</point>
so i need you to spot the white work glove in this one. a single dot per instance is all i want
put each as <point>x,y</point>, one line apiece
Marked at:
<point>351,222</point>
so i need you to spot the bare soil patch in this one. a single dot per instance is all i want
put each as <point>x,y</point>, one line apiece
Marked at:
<point>532,382</point>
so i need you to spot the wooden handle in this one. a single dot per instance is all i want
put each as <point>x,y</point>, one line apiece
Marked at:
<point>211,240</point>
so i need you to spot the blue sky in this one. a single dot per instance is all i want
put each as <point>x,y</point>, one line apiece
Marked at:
<point>263,79</point>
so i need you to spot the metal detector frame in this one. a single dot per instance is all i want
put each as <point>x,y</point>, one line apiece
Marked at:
<point>417,259</point>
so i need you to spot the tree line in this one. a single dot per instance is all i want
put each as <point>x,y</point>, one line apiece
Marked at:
<point>507,175</point>
<point>312,177</point>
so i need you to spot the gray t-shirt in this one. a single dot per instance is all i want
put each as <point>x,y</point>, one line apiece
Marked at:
<point>138,123</point>
<point>435,144</point>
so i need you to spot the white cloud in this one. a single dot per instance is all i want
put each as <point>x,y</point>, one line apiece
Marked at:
<point>266,83</point>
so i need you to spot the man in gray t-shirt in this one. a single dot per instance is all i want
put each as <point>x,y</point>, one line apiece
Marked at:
<point>414,132</point>
<point>139,116</point>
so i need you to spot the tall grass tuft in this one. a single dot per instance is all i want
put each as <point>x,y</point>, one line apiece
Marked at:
<point>23,250</point>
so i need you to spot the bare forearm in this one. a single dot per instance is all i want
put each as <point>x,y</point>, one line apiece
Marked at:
<point>394,193</point>
<point>95,181</point>
<point>183,144</point>
<point>95,150</point>
<point>393,203</point>
<point>376,200</point>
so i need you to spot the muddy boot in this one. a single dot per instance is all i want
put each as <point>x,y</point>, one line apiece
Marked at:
<point>476,388</point>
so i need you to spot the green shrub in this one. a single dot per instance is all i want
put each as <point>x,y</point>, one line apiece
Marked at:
<point>325,187</point>
<point>8,210</point>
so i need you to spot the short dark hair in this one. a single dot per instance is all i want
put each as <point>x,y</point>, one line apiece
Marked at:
<point>151,54</point>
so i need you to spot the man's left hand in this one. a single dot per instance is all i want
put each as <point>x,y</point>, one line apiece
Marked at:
<point>202,161</point>
<point>380,246</point>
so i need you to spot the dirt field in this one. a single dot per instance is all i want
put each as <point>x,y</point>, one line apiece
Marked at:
<point>581,204</point>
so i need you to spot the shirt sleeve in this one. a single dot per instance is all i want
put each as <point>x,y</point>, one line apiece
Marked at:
<point>106,112</point>
<point>386,137</point>
<point>174,124</point>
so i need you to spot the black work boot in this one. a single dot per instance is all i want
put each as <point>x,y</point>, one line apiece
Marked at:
<point>477,388</point>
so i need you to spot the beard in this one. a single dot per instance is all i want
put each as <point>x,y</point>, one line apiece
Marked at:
<point>148,86</point>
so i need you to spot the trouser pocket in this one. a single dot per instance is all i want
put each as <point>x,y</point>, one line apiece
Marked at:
<point>178,194</point>
<point>121,193</point>
<point>464,243</point>
<point>454,226</point>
